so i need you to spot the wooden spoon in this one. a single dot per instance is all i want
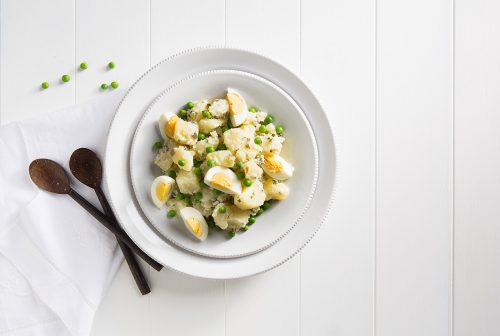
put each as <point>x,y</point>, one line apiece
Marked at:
<point>50,176</point>
<point>86,167</point>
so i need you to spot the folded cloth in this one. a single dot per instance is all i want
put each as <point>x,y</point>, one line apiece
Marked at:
<point>56,261</point>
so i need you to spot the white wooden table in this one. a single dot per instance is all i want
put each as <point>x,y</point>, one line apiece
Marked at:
<point>412,88</point>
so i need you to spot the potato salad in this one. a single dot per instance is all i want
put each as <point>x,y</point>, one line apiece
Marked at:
<point>221,165</point>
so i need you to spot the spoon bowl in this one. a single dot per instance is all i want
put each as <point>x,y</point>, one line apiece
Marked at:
<point>49,176</point>
<point>86,167</point>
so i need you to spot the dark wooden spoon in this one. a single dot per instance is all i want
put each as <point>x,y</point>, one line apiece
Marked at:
<point>50,176</point>
<point>86,167</point>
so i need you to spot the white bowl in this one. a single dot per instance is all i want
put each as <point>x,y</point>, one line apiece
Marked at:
<point>299,149</point>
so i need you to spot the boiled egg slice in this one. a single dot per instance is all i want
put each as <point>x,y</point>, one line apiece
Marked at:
<point>161,189</point>
<point>167,123</point>
<point>194,222</point>
<point>277,167</point>
<point>223,179</point>
<point>238,108</point>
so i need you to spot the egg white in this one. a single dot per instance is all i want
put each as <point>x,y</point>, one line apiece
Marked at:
<point>238,119</point>
<point>190,215</point>
<point>286,168</point>
<point>235,184</point>
<point>161,179</point>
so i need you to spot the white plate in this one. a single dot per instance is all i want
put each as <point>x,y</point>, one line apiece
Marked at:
<point>299,149</point>
<point>123,126</point>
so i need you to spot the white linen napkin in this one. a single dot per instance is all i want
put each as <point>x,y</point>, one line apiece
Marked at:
<point>56,261</point>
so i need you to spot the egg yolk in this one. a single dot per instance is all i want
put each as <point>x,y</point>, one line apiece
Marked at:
<point>236,104</point>
<point>162,190</point>
<point>195,226</point>
<point>272,164</point>
<point>221,180</point>
<point>170,126</point>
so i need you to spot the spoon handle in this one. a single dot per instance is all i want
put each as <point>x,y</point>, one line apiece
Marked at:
<point>118,232</point>
<point>132,263</point>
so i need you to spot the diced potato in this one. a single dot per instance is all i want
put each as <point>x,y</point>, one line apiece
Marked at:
<point>219,108</point>
<point>175,204</point>
<point>252,170</point>
<point>251,197</point>
<point>208,125</point>
<point>181,153</point>
<point>248,152</point>
<point>237,218</point>
<point>233,219</point>
<point>276,190</point>
<point>271,128</point>
<point>201,146</point>
<point>272,143</point>
<point>187,182</point>
<point>236,138</point>
<point>207,202</point>
<point>186,132</point>
<point>255,118</point>
<point>220,219</point>
<point>163,159</point>
<point>222,158</point>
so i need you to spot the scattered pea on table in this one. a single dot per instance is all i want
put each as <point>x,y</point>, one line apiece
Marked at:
<point>111,65</point>
<point>104,86</point>
<point>45,85</point>
<point>114,85</point>
<point>83,66</point>
<point>65,78</point>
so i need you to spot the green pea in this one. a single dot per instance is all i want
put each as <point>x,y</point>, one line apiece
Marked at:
<point>210,222</point>
<point>114,85</point>
<point>157,145</point>
<point>252,220</point>
<point>183,114</point>
<point>45,85</point>
<point>171,213</point>
<point>206,114</point>
<point>210,149</point>
<point>259,212</point>
<point>201,136</point>
<point>222,209</point>
<point>181,162</point>
<point>197,171</point>
<point>247,182</point>
<point>221,147</point>
<point>104,86</point>
<point>197,197</point>
<point>241,175</point>
<point>217,228</point>
<point>216,192</point>
<point>266,205</point>
<point>223,129</point>
<point>83,65</point>
<point>203,184</point>
<point>253,109</point>
<point>180,197</point>
<point>172,174</point>
<point>257,141</point>
<point>65,78</point>
<point>190,105</point>
<point>238,165</point>
<point>111,65</point>
<point>280,129</point>
<point>269,119</point>
<point>210,163</point>
<point>197,163</point>
<point>245,228</point>
<point>231,234</point>
<point>262,129</point>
